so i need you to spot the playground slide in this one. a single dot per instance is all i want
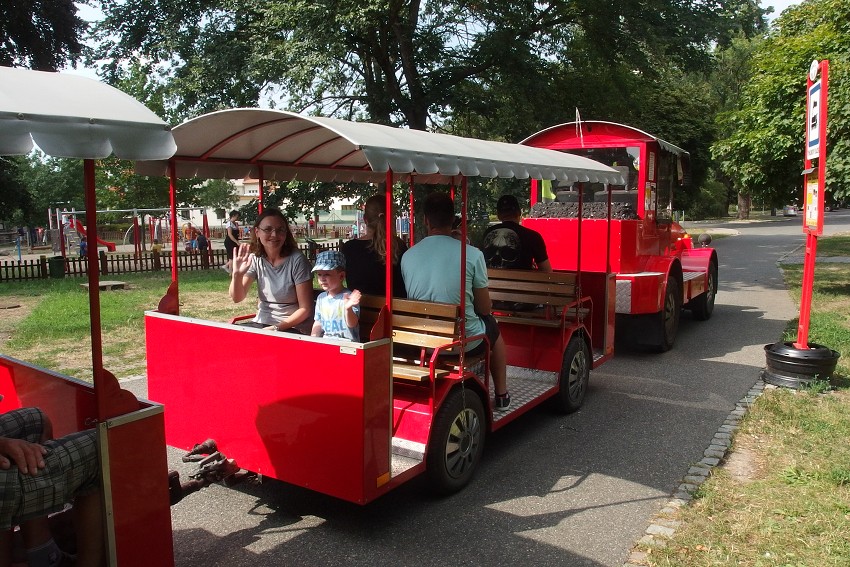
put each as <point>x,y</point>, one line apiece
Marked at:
<point>110,246</point>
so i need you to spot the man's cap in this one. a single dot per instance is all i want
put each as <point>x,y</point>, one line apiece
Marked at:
<point>329,260</point>
<point>507,204</point>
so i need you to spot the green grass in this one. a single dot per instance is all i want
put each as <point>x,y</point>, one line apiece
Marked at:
<point>794,509</point>
<point>834,246</point>
<point>51,329</point>
<point>696,231</point>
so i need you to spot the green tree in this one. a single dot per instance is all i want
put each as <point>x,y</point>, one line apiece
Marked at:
<point>731,74</point>
<point>38,182</point>
<point>119,188</point>
<point>40,34</point>
<point>396,62</point>
<point>762,150</point>
<point>43,35</point>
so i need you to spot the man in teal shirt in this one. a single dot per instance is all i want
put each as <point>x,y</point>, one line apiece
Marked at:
<point>431,272</point>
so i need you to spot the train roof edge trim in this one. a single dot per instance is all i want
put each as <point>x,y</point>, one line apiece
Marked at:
<point>235,143</point>
<point>638,134</point>
<point>76,117</point>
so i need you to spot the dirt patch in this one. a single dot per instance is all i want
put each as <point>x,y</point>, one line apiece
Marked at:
<point>744,463</point>
<point>13,310</point>
<point>215,306</point>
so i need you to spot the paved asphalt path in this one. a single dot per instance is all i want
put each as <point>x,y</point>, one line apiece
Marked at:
<point>551,489</point>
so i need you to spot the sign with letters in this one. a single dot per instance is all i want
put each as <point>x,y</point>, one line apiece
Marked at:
<point>813,117</point>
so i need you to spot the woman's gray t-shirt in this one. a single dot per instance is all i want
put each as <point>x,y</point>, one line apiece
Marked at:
<point>277,297</point>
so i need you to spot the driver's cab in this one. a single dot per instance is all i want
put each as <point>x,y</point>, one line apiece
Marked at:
<point>652,169</point>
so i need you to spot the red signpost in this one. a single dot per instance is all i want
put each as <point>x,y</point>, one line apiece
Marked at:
<point>814,182</point>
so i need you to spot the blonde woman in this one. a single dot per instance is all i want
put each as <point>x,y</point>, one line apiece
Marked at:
<point>366,257</point>
<point>282,272</point>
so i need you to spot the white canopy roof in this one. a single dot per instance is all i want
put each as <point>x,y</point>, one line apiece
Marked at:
<point>72,116</point>
<point>230,144</point>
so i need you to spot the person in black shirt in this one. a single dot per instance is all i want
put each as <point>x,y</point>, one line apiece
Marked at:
<point>366,257</point>
<point>511,245</point>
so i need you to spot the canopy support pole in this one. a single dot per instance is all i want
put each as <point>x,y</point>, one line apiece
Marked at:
<point>463,197</point>
<point>410,212</point>
<point>260,191</point>
<point>94,285</point>
<point>389,221</point>
<point>172,201</point>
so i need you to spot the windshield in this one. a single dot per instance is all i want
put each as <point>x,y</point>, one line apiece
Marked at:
<point>626,160</point>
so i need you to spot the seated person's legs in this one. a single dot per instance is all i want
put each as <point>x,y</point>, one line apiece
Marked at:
<point>498,354</point>
<point>71,470</point>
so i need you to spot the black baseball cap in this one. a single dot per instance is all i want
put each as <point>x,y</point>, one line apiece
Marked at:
<point>507,204</point>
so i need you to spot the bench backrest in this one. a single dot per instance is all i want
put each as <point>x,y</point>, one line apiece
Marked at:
<point>555,289</point>
<point>416,323</point>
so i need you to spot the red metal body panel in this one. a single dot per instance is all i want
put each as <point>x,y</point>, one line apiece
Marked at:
<point>411,415</point>
<point>541,348</point>
<point>632,243</point>
<point>697,260</point>
<point>646,291</point>
<point>320,419</point>
<point>560,235</point>
<point>134,467</point>
<point>140,504</point>
<point>68,402</point>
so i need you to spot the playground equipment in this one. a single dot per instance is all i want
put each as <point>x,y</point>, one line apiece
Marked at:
<point>71,116</point>
<point>81,230</point>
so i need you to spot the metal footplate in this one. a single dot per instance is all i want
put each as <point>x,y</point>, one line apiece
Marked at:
<point>525,385</point>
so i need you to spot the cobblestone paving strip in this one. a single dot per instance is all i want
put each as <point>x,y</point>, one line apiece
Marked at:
<point>662,527</point>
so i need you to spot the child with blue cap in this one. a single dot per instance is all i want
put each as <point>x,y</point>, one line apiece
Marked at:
<point>337,309</point>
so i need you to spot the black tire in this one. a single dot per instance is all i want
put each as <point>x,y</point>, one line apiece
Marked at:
<point>668,318</point>
<point>703,306</point>
<point>795,368</point>
<point>457,441</point>
<point>575,375</point>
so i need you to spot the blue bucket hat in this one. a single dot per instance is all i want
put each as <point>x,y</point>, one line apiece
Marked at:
<point>329,260</point>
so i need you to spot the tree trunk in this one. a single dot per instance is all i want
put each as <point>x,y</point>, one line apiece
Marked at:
<point>744,204</point>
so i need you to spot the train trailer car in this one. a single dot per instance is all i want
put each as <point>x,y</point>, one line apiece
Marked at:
<point>75,117</point>
<point>354,420</point>
<point>626,230</point>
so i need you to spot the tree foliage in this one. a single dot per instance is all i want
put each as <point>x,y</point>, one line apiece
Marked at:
<point>763,138</point>
<point>400,61</point>
<point>35,183</point>
<point>40,34</point>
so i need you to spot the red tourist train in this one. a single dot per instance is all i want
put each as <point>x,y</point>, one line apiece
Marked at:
<point>355,420</point>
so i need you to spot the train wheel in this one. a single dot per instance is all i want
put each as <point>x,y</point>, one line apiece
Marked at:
<point>703,306</point>
<point>669,316</point>
<point>575,375</point>
<point>457,441</point>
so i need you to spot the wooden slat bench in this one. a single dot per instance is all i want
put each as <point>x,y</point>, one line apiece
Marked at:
<point>419,328</point>
<point>541,299</point>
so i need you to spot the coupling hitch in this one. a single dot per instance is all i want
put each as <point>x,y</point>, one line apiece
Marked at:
<point>213,466</point>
